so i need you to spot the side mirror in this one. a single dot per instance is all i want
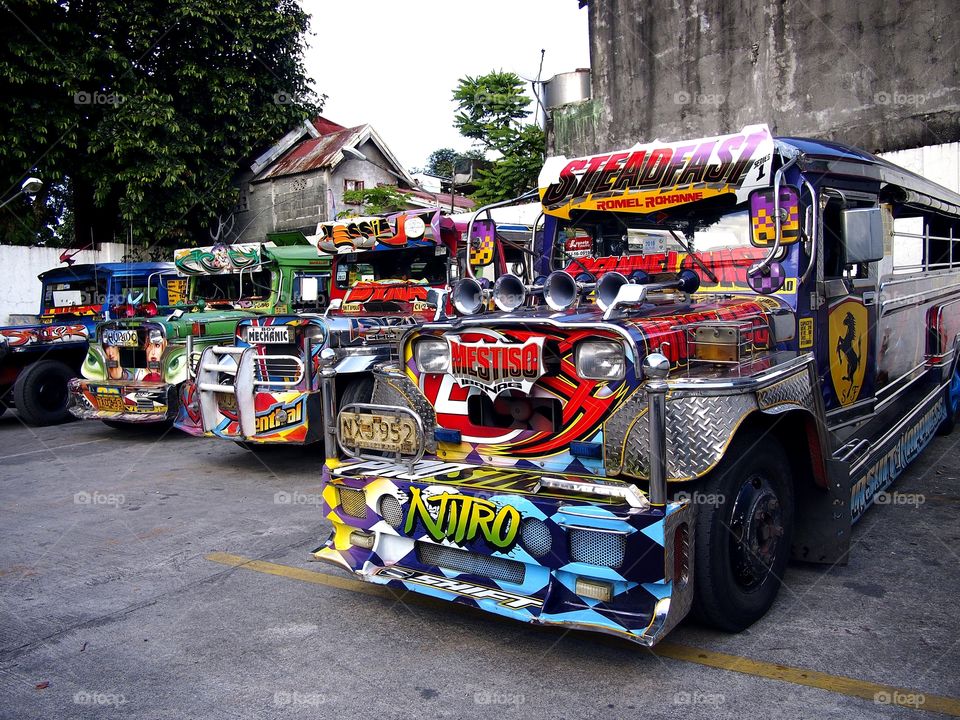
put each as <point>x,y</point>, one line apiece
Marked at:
<point>863,235</point>
<point>309,289</point>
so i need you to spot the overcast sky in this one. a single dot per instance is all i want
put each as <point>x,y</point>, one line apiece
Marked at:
<point>395,64</point>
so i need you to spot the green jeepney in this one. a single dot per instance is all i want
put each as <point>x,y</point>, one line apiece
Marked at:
<point>136,365</point>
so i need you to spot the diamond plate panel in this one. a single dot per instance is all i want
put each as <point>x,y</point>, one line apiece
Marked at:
<point>698,430</point>
<point>398,391</point>
<point>794,390</point>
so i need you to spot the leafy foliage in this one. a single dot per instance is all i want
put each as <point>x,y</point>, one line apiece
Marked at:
<point>137,114</point>
<point>374,201</point>
<point>491,111</point>
<point>441,162</point>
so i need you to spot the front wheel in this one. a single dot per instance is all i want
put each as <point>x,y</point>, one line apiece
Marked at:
<point>743,533</point>
<point>41,394</point>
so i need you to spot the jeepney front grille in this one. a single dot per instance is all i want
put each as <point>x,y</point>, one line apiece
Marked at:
<point>464,561</point>
<point>535,536</point>
<point>598,548</point>
<point>391,511</point>
<point>353,502</point>
<point>279,367</point>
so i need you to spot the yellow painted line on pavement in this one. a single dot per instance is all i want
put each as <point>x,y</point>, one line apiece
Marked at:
<point>875,692</point>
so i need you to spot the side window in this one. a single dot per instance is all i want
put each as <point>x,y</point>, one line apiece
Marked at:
<point>834,257</point>
<point>303,284</point>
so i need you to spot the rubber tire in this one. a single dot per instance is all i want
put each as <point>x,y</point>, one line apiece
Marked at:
<point>719,601</point>
<point>29,385</point>
<point>948,425</point>
<point>359,390</point>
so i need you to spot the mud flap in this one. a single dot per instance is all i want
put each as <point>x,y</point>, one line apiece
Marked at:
<point>823,521</point>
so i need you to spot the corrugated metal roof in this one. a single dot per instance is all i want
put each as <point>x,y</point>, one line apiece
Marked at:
<point>312,154</point>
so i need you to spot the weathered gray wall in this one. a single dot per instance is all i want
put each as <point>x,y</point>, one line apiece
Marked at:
<point>879,74</point>
<point>299,202</point>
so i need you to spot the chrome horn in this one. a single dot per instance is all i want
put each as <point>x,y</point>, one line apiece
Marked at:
<point>634,295</point>
<point>509,292</point>
<point>608,286</point>
<point>560,290</point>
<point>468,296</point>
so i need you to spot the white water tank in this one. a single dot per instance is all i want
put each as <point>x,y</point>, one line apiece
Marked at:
<point>566,88</point>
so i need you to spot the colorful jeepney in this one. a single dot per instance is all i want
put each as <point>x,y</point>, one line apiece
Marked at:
<point>135,366</point>
<point>389,274</point>
<point>741,342</point>
<point>38,360</point>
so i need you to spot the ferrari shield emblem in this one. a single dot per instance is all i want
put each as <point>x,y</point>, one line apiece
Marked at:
<point>848,349</point>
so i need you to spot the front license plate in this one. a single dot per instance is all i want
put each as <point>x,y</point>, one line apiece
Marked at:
<point>120,338</point>
<point>379,431</point>
<point>110,403</point>
<point>268,334</point>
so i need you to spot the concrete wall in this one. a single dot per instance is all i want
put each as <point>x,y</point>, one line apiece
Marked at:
<point>880,75</point>
<point>940,163</point>
<point>299,202</point>
<point>20,288</point>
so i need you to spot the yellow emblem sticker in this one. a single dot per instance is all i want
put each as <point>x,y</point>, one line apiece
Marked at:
<point>848,349</point>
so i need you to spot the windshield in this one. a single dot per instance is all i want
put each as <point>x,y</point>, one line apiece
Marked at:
<point>227,288</point>
<point>599,242</point>
<point>420,266</point>
<point>61,297</point>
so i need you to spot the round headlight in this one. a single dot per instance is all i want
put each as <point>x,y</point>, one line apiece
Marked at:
<point>431,354</point>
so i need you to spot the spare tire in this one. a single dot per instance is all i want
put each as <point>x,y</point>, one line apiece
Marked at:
<point>41,394</point>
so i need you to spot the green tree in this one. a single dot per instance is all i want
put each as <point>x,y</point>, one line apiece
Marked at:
<point>137,114</point>
<point>374,201</point>
<point>492,110</point>
<point>441,162</point>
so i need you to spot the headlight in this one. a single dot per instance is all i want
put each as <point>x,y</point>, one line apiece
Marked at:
<point>432,354</point>
<point>601,360</point>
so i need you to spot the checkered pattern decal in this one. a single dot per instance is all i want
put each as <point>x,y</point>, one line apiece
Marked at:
<point>762,216</point>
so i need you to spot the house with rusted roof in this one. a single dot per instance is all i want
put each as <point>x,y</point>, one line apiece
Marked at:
<point>300,181</point>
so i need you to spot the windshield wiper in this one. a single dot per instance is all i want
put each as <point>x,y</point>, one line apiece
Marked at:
<point>696,258</point>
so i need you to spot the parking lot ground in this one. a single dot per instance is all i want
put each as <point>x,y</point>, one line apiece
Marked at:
<point>152,575</point>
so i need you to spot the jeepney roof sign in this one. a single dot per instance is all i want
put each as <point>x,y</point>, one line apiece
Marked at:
<point>379,233</point>
<point>657,176</point>
<point>217,259</point>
